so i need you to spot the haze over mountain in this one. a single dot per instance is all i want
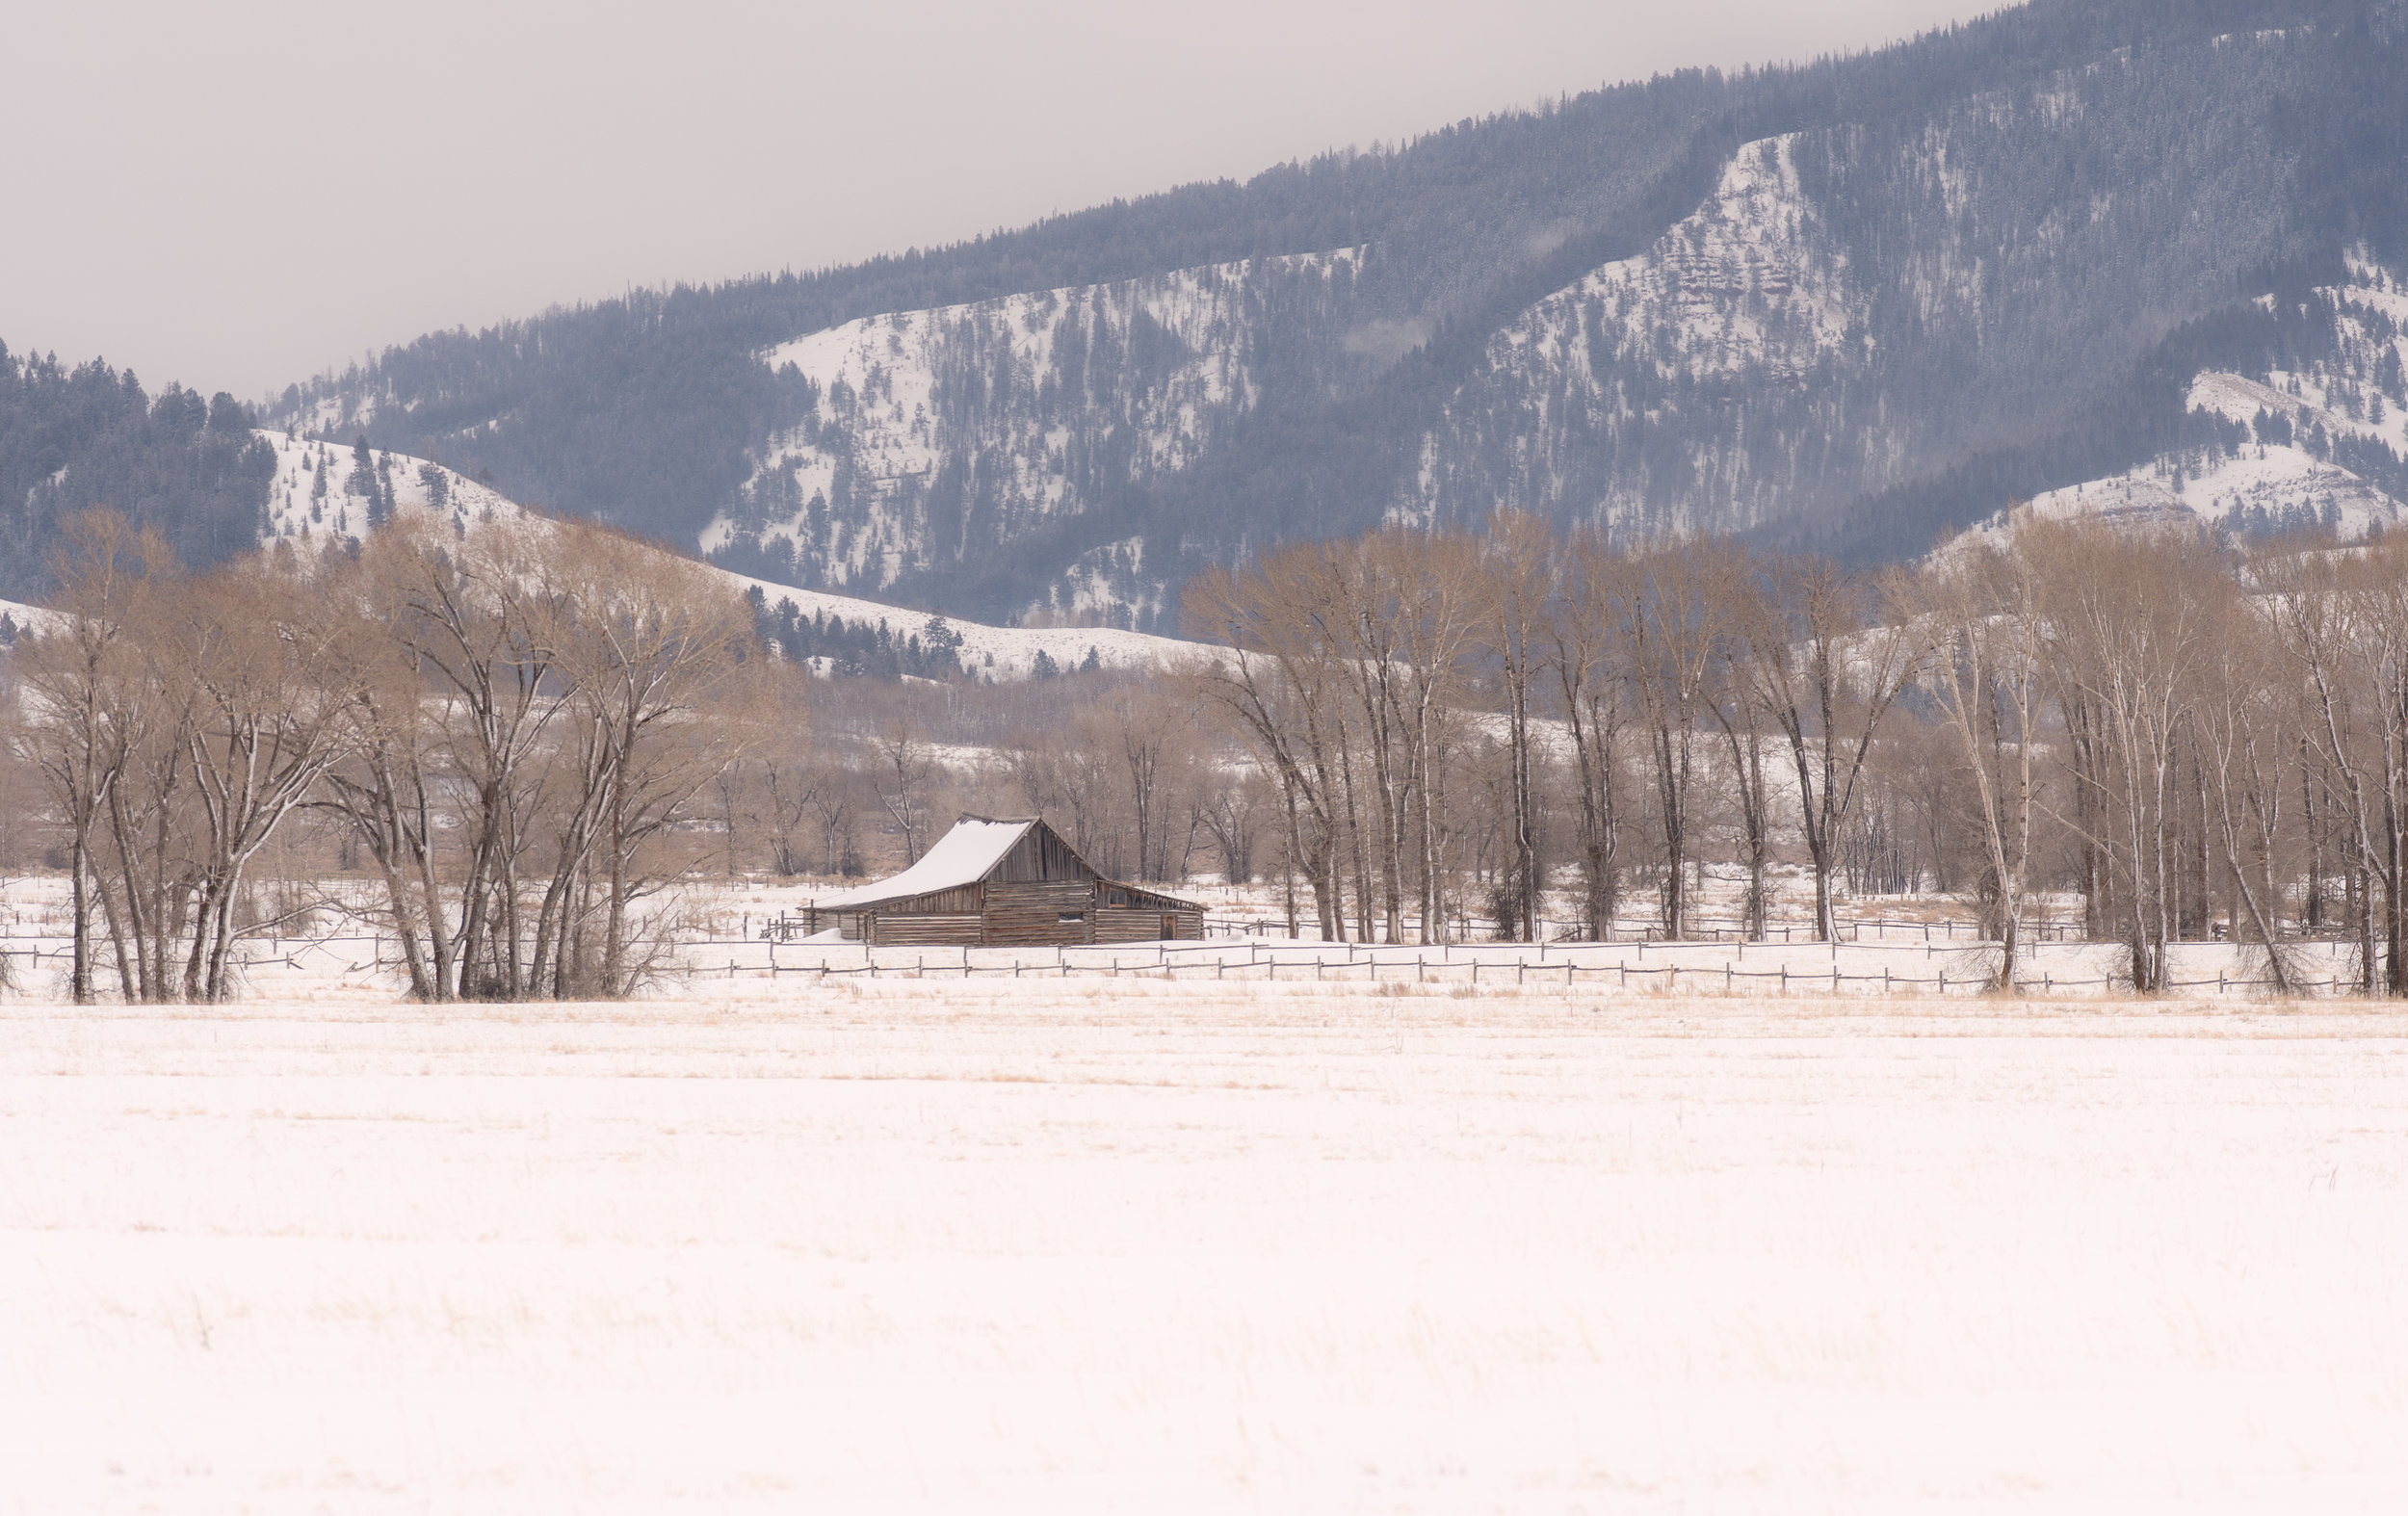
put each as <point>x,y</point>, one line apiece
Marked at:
<point>1849,305</point>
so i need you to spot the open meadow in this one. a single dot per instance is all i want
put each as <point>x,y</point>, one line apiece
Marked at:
<point>1054,1246</point>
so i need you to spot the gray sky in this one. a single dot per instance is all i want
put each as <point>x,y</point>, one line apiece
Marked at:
<point>241,194</point>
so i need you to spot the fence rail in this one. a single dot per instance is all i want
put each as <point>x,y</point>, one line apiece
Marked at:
<point>1940,965</point>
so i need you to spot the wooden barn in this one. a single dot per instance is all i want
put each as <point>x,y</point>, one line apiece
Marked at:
<point>991,883</point>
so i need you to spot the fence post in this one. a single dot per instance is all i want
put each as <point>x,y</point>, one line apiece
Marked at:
<point>1726,979</point>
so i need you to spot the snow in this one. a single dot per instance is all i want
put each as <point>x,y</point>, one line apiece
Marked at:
<point>25,617</point>
<point>2275,480</point>
<point>918,1246</point>
<point>1749,282</point>
<point>882,416</point>
<point>1740,282</point>
<point>298,515</point>
<point>961,856</point>
<point>1012,650</point>
<point>2271,483</point>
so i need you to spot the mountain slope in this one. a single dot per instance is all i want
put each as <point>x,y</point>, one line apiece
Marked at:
<point>321,494</point>
<point>2314,440</point>
<point>1849,305</point>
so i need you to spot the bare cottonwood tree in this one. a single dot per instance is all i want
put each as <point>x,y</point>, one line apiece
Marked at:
<point>268,676</point>
<point>905,770</point>
<point>1978,620</point>
<point>80,693</point>
<point>1667,601</point>
<point>1815,654</point>
<point>2238,728</point>
<point>1274,683</point>
<point>1590,660</point>
<point>661,681</point>
<point>2122,617</point>
<point>1520,572</point>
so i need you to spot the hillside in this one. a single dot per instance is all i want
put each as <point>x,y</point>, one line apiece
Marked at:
<point>1849,305</point>
<point>321,492</point>
<point>85,435</point>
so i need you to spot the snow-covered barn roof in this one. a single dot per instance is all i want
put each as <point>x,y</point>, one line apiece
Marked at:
<point>962,857</point>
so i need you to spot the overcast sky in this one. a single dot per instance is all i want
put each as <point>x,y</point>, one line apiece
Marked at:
<point>238,194</point>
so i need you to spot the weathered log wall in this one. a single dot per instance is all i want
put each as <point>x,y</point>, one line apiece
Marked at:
<point>927,931</point>
<point>1031,915</point>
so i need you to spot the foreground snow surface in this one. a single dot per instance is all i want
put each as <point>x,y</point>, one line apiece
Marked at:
<point>1182,1246</point>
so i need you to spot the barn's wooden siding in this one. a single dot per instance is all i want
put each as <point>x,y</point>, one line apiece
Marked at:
<point>1033,915</point>
<point>1038,858</point>
<point>1128,925</point>
<point>967,901</point>
<point>926,931</point>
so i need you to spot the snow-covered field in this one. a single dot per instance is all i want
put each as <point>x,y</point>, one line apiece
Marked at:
<point>1137,1245</point>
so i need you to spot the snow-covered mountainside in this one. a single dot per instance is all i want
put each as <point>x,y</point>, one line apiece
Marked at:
<point>932,435</point>
<point>1748,291</point>
<point>323,490</point>
<point>2277,457</point>
<point>1850,306</point>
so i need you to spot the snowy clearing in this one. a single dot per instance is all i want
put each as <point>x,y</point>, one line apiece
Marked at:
<point>1146,1245</point>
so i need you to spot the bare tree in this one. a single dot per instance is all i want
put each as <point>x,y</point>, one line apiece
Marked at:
<point>1814,655</point>
<point>1588,656</point>
<point>2238,730</point>
<point>1665,600</point>
<point>2344,623</point>
<point>1521,571</point>
<point>661,677</point>
<point>1438,605</point>
<point>1978,617</point>
<point>905,769</point>
<point>1274,685</point>
<point>269,698</point>
<point>82,715</point>
<point>2123,622</point>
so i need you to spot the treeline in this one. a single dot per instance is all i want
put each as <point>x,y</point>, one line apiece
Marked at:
<point>185,466</point>
<point>857,649</point>
<point>503,733</point>
<point>2191,739</point>
<point>509,750</point>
